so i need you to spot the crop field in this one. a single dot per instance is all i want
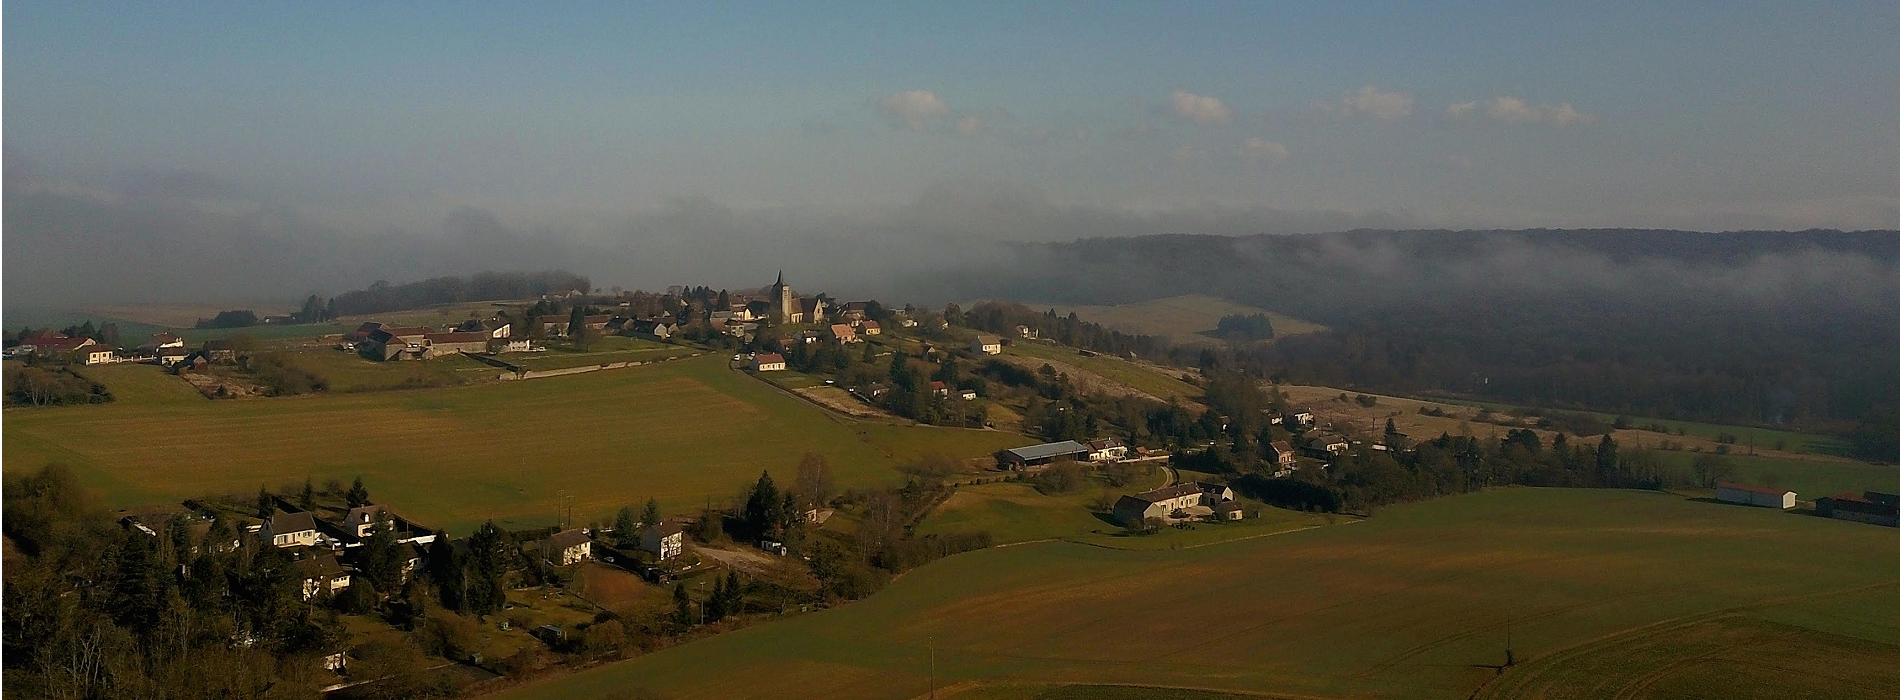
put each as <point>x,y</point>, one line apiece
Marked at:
<point>1141,378</point>
<point>1181,319</point>
<point>682,432</point>
<point>136,384</point>
<point>1601,593</point>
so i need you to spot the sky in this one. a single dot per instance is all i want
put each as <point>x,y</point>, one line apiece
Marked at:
<point>626,136</point>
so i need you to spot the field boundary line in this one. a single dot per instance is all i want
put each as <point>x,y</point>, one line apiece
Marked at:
<point>963,686</point>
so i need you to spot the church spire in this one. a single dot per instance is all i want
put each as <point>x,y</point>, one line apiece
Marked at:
<point>781,279</point>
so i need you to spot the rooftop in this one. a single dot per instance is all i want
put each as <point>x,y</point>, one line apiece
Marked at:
<point>1049,449</point>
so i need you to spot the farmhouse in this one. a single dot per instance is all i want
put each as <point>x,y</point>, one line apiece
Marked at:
<point>322,575</point>
<point>172,355</point>
<point>98,355</point>
<point>49,344</point>
<point>1755,496</point>
<point>501,345</point>
<point>652,328</point>
<point>844,333</point>
<point>665,540</point>
<point>939,388</point>
<point>1175,502</point>
<point>854,310</point>
<point>1027,332</point>
<point>1106,450</point>
<point>1327,446</point>
<point>870,328</point>
<point>1020,457</point>
<point>562,548</point>
<point>291,530</point>
<point>1300,418</point>
<point>439,344</point>
<point>768,362</point>
<point>1871,507</point>
<point>987,344</point>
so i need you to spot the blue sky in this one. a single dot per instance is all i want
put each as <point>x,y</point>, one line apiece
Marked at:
<point>582,117</point>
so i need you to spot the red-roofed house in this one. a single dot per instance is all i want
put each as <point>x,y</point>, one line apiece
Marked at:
<point>768,362</point>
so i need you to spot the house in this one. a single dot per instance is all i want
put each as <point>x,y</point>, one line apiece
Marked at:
<point>940,389</point>
<point>361,520</point>
<point>1284,459</point>
<point>987,344</point>
<point>1027,332</point>
<point>50,344</point>
<point>665,540</point>
<point>322,575</point>
<point>652,328</point>
<point>1747,495</point>
<point>1180,501</point>
<point>768,362</point>
<point>1302,418</point>
<point>844,333</point>
<point>967,394</point>
<point>97,355</point>
<point>870,328</point>
<point>172,355</point>
<point>854,310</point>
<point>1020,457</point>
<point>1327,446</point>
<point>563,548</point>
<point>1866,508</point>
<point>1230,510</point>
<point>552,327</point>
<point>494,327</point>
<point>291,529</point>
<point>163,340</point>
<point>501,345</point>
<point>811,310</point>
<point>1107,450</point>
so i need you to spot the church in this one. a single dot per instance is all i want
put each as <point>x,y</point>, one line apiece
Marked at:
<point>787,307</point>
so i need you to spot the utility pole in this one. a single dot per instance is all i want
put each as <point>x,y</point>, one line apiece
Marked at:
<point>932,643</point>
<point>1509,659</point>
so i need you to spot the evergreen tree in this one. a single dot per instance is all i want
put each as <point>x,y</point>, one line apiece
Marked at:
<point>382,557</point>
<point>624,526</point>
<point>764,508</point>
<point>446,570</point>
<point>735,594</point>
<point>265,506</point>
<point>683,605</point>
<point>576,321</point>
<point>307,499</point>
<point>358,495</point>
<point>716,605</point>
<point>650,516</point>
<point>1606,459</point>
<point>487,551</point>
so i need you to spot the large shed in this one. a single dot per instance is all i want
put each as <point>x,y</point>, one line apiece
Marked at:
<point>1747,495</point>
<point>1042,454</point>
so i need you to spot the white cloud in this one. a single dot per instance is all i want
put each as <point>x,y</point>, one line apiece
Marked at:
<point>1371,101</point>
<point>1512,110</point>
<point>913,108</point>
<point>969,125</point>
<point>1258,148</point>
<point>1201,109</point>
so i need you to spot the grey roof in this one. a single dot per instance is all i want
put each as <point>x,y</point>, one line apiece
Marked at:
<point>1049,449</point>
<point>286,523</point>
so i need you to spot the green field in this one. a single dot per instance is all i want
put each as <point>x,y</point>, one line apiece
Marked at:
<point>682,432</point>
<point>1114,369</point>
<point>1761,438</point>
<point>1603,594</point>
<point>350,372</point>
<point>1181,320</point>
<point>136,384</point>
<point>1013,511</point>
<point>1809,479</point>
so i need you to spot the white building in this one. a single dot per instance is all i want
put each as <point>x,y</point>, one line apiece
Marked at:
<point>987,344</point>
<point>1755,496</point>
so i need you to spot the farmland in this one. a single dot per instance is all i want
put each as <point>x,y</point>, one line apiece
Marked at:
<point>1182,319</point>
<point>682,432</point>
<point>1603,594</point>
<point>1143,378</point>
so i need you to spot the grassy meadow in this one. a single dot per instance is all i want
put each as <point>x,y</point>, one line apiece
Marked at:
<point>1014,511</point>
<point>1182,319</point>
<point>1603,593</point>
<point>682,432</point>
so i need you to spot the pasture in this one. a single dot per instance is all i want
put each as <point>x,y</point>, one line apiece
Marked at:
<point>1181,320</point>
<point>683,432</point>
<point>1602,593</point>
<point>1143,378</point>
<point>1014,511</point>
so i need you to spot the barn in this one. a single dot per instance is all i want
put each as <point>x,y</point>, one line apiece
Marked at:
<point>1755,496</point>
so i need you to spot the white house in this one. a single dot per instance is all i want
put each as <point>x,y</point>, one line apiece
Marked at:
<point>768,362</point>
<point>987,344</point>
<point>1755,496</point>
<point>322,575</point>
<point>361,520</point>
<point>1107,450</point>
<point>563,548</point>
<point>291,530</point>
<point>665,540</point>
<point>99,355</point>
<point>1192,499</point>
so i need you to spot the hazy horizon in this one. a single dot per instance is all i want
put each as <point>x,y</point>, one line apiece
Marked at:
<point>251,153</point>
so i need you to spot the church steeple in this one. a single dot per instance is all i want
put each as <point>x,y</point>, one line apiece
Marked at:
<point>781,279</point>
